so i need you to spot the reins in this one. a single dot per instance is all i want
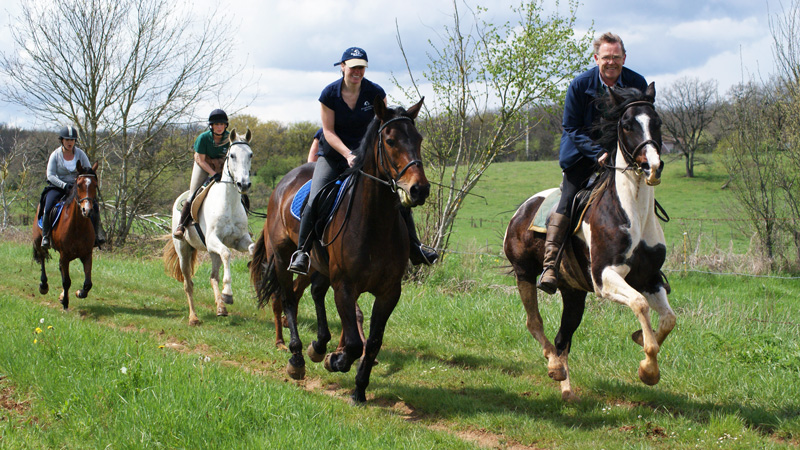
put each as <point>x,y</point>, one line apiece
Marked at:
<point>245,203</point>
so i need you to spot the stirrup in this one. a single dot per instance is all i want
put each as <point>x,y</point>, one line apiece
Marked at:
<point>548,287</point>
<point>299,263</point>
<point>45,242</point>
<point>429,254</point>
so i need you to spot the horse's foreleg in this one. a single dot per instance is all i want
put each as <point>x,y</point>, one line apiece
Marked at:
<point>666,317</point>
<point>87,277</point>
<point>616,289</point>
<point>66,282</point>
<point>44,288</point>
<point>217,261</point>
<point>346,298</point>
<point>383,307</point>
<point>319,287</point>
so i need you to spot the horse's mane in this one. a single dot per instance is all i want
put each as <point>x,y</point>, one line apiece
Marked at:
<point>369,139</point>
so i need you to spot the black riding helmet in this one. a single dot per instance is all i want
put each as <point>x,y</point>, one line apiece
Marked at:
<point>68,132</point>
<point>217,116</point>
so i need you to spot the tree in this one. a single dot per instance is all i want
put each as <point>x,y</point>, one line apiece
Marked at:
<point>125,72</point>
<point>484,78</point>
<point>690,107</point>
<point>15,172</point>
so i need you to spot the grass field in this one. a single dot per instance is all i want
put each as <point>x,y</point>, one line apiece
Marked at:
<point>122,369</point>
<point>458,369</point>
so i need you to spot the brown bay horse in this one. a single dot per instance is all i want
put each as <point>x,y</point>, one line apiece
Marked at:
<point>72,236</point>
<point>619,248</point>
<point>364,248</point>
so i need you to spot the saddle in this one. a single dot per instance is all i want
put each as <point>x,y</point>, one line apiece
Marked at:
<point>199,197</point>
<point>55,212</point>
<point>580,204</point>
<point>325,204</point>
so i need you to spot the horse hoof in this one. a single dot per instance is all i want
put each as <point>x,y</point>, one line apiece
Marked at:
<point>650,379</point>
<point>569,397</point>
<point>296,373</point>
<point>281,346</point>
<point>358,398</point>
<point>327,363</point>
<point>81,294</point>
<point>313,355</point>
<point>44,289</point>
<point>559,374</point>
<point>227,299</point>
<point>637,337</point>
<point>221,311</point>
<point>194,322</point>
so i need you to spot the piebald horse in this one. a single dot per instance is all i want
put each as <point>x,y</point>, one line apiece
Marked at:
<point>619,247</point>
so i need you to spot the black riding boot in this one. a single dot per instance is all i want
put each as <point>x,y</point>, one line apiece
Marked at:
<point>185,213</point>
<point>46,227</point>
<point>99,234</point>
<point>300,261</point>
<point>418,254</point>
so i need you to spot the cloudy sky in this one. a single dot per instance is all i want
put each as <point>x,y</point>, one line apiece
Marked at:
<point>290,45</point>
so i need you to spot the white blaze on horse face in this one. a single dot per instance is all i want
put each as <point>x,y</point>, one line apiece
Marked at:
<point>650,151</point>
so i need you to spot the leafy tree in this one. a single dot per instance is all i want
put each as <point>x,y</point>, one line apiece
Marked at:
<point>484,77</point>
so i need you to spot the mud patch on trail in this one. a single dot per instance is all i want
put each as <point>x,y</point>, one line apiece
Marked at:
<point>484,438</point>
<point>8,402</point>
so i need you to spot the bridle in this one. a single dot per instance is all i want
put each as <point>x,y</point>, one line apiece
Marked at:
<point>228,166</point>
<point>385,164</point>
<point>628,155</point>
<point>87,197</point>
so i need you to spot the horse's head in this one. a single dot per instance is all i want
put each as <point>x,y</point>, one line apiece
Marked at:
<point>237,162</point>
<point>639,133</point>
<point>85,189</point>
<point>398,154</point>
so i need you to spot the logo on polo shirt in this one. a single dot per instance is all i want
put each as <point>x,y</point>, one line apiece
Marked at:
<point>367,106</point>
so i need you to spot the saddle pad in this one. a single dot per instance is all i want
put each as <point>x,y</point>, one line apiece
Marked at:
<point>539,222</point>
<point>58,207</point>
<point>302,193</point>
<point>183,198</point>
<point>300,198</point>
<point>198,199</point>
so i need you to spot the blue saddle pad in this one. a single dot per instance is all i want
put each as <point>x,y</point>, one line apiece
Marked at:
<point>302,194</point>
<point>58,207</point>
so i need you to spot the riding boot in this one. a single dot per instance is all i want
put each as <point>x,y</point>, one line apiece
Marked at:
<point>47,225</point>
<point>99,234</point>
<point>556,231</point>
<point>301,261</point>
<point>418,254</point>
<point>186,212</point>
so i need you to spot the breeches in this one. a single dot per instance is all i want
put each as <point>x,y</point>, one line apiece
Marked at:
<point>575,179</point>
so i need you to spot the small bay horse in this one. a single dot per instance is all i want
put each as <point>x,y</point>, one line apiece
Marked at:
<point>221,225</point>
<point>366,244</point>
<point>72,236</point>
<point>619,248</point>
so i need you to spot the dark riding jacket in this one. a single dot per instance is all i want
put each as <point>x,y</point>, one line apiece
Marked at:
<point>580,113</point>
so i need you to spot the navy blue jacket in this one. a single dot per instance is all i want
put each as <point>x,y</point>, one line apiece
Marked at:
<point>580,112</point>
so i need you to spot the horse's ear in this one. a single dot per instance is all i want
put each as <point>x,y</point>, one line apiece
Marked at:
<point>233,135</point>
<point>79,166</point>
<point>651,91</point>
<point>94,167</point>
<point>380,108</point>
<point>616,99</point>
<point>414,110</point>
<point>248,135</point>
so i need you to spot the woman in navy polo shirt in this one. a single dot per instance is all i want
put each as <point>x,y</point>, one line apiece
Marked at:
<point>347,110</point>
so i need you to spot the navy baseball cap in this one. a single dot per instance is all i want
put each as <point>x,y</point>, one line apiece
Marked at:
<point>353,57</point>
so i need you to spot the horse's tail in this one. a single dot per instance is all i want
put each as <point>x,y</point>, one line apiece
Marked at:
<point>40,255</point>
<point>259,258</point>
<point>172,264</point>
<point>266,281</point>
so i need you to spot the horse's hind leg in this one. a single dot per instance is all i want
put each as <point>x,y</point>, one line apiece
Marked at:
<point>185,255</point>
<point>217,260</point>
<point>574,304</point>
<point>44,288</point>
<point>66,282</point>
<point>87,277</point>
<point>556,368</point>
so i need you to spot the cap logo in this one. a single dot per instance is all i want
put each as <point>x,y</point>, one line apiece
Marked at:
<point>356,53</point>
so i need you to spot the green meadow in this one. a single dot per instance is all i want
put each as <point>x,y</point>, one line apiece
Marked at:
<point>458,369</point>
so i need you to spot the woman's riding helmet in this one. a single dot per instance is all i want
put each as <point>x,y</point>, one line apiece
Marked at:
<point>217,116</point>
<point>68,132</point>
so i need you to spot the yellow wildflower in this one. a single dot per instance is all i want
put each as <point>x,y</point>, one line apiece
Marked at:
<point>38,330</point>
